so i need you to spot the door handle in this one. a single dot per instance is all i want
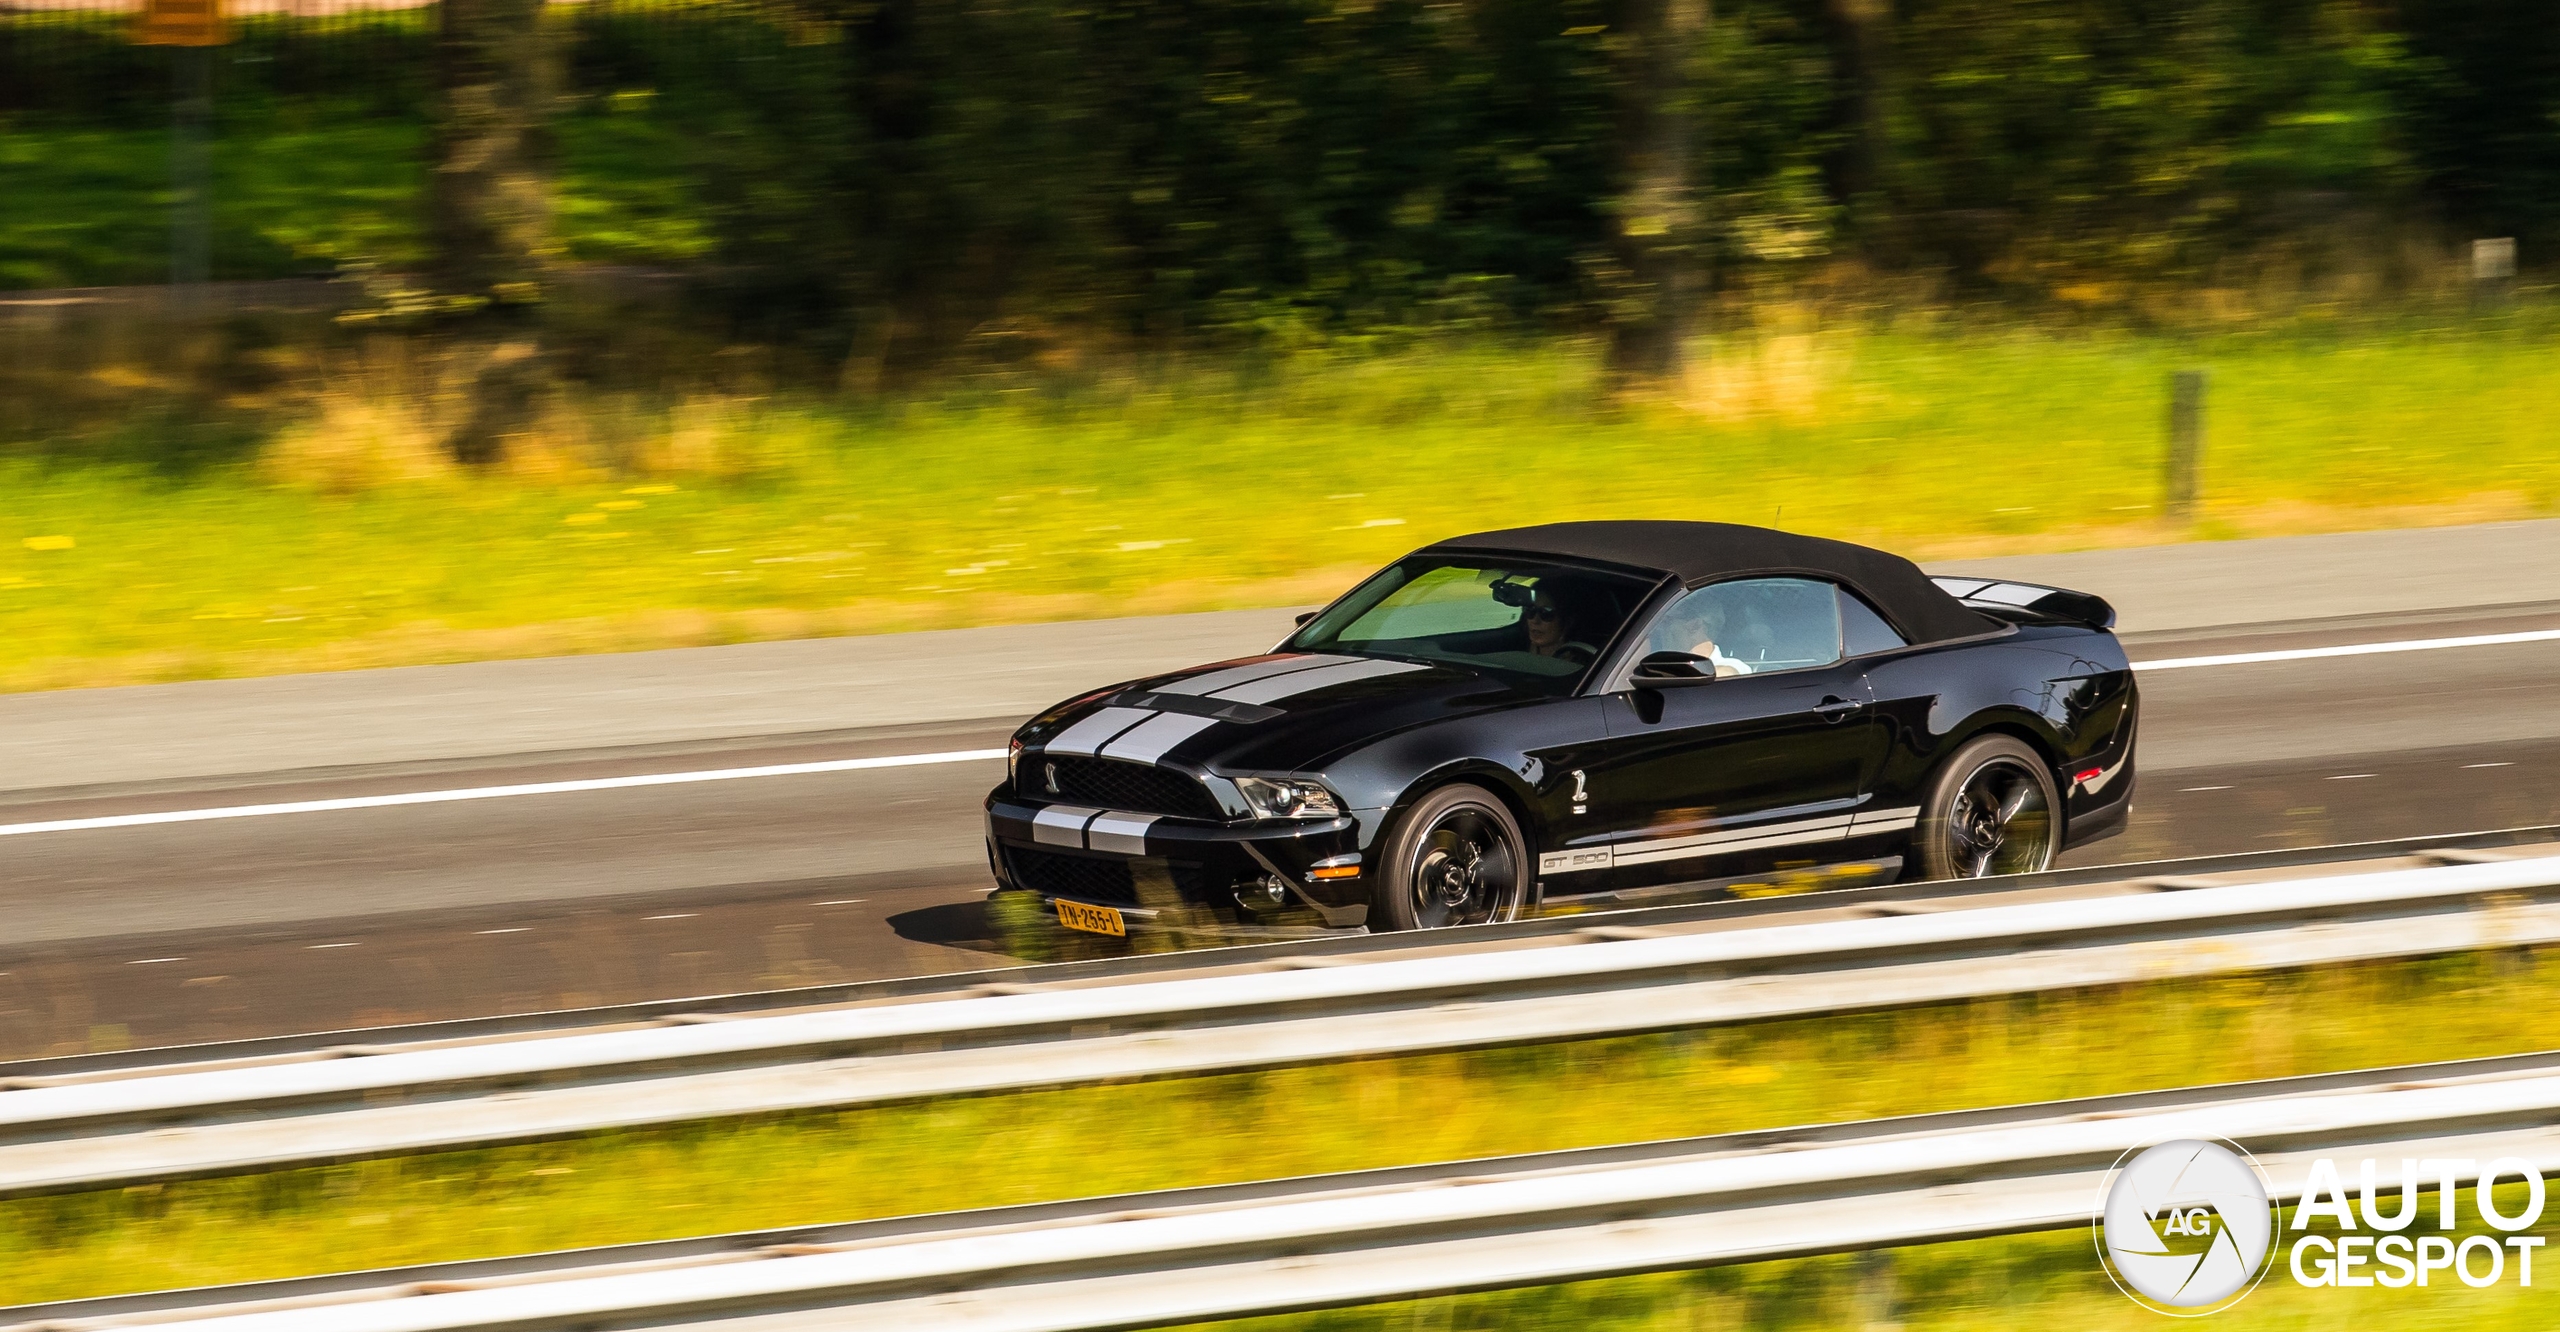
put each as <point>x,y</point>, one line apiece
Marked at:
<point>1833,707</point>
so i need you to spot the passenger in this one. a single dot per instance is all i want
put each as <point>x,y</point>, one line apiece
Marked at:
<point>1695,627</point>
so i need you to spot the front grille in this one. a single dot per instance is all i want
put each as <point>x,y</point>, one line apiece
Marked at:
<point>1085,878</point>
<point>1139,788</point>
<point>1099,879</point>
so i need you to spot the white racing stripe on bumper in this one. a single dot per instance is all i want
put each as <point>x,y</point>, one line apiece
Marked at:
<point>1120,834</point>
<point>1062,825</point>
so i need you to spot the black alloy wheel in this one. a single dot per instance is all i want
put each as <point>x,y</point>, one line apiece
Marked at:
<point>1991,810</point>
<point>1457,858</point>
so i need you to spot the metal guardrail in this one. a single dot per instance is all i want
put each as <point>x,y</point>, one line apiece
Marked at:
<point>1283,1246</point>
<point>194,1121</point>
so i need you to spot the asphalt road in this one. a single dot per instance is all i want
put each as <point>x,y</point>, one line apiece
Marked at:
<point>127,935</point>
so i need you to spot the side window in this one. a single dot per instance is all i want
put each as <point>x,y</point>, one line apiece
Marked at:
<point>1862,630</point>
<point>1755,625</point>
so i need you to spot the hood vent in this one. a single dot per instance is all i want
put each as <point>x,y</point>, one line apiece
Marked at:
<point>1193,705</point>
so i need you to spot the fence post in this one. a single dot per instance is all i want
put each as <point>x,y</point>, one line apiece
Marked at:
<point>2493,272</point>
<point>2186,443</point>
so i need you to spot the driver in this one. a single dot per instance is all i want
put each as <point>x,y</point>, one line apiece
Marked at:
<point>1550,633</point>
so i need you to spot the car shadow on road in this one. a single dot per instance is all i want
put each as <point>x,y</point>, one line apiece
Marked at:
<point>952,925</point>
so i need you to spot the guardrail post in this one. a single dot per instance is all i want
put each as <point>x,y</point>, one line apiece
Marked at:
<point>2186,443</point>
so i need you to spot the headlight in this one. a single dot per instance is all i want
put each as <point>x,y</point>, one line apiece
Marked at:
<point>1013,766</point>
<point>1288,798</point>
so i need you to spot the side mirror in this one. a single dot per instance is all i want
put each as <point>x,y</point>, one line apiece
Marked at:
<point>1304,616</point>
<point>1659,669</point>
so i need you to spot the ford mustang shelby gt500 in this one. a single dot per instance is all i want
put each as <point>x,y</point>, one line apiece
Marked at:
<point>1516,717</point>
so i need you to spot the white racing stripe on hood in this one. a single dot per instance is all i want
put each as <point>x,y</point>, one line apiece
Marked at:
<point>1141,735</point>
<point>1148,740</point>
<point>1236,675</point>
<point>1307,682</point>
<point>1090,735</point>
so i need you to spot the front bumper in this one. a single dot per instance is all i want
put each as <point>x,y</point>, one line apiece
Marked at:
<point>1155,866</point>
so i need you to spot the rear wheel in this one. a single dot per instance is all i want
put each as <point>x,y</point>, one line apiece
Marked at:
<point>1992,809</point>
<point>1456,858</point>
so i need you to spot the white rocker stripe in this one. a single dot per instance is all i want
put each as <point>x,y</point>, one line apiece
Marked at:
<point>1649,855</point>
<point>1090,735</point>
<point>1829,828</point>
<point>1062,825</point>
<point>1884,820</point>
<point>1148,740</point>
<point>1722,837</point>
<point>1118,833</point>
<point>1304,682</point>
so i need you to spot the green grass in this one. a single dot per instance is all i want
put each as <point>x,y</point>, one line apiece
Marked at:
<point>2029,1281</point>
<point>1020,497</point>
<point>986,1151</point>
<point>307,188</point>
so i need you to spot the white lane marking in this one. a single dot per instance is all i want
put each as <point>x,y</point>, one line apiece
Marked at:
<point>2350,650</point>
<point>499,792</point>
<point>846,901</point>
<point>316,947</point>
<point>2184,790</point>
<point>984,755</point>
<point>2351,776</point>
<point>149,961</point>
<point>512,929</point>
<point>2508,764</point>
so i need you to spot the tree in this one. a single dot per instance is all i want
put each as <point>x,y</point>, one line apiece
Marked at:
<point>489,211</point>
<point>1655,229</point>
<point>1856,38</point>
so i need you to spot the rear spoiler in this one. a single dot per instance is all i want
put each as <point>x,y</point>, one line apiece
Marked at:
<point>1996,596</point>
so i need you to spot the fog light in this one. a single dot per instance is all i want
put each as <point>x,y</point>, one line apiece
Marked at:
<point>1267,893</point>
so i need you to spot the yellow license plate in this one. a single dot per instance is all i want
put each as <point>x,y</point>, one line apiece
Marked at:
<point>1091,919</point>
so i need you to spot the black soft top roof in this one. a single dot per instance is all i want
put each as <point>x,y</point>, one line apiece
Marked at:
<point>1707,552</point>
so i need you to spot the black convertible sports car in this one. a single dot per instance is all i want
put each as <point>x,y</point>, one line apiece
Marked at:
<point>1512,718</point>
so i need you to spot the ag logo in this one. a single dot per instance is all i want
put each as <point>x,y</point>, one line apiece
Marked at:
<point>2185,1228</point>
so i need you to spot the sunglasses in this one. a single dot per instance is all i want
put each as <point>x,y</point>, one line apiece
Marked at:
<point>1542,613</point>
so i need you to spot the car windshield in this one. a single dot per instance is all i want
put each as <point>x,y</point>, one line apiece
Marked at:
<point>1539,625</point>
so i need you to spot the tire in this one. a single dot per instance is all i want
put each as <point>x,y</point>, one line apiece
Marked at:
<point>1992,808</point>
<point>1455,858</point>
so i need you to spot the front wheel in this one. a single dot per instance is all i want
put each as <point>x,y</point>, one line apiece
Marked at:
<point>1456,858</point>
<point>1992,809</point>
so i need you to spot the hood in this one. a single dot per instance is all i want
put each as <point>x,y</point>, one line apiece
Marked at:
<point>1284,712</point>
